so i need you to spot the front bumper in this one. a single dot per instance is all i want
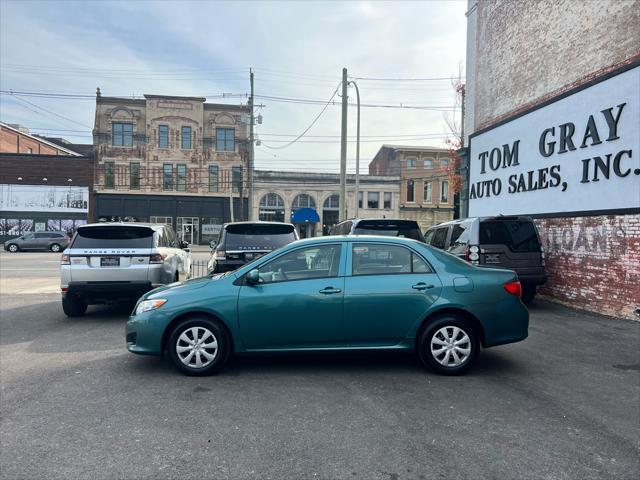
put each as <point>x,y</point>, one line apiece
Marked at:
<point>99,292</point>
<point>144,332</point>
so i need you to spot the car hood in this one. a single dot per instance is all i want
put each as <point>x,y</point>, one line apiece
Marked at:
<point>181,287</point>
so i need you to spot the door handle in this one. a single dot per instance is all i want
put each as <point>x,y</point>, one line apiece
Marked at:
<point>421,286</point>
<point>330,290</point>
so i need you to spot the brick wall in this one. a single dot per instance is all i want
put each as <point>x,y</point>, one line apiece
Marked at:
<point>593,262</point>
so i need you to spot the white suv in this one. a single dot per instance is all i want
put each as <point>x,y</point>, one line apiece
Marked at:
<point>108,262</point>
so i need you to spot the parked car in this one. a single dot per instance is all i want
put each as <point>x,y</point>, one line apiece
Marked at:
<point>379,226</point>
<point>53,241</point>
<point>108,262</point>
<point>496,242</point>
<point>242,242</point>
<point>334,293</point>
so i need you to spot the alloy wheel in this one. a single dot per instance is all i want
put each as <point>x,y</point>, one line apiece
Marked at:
<point>55,248</point>
<point>13,248</point>
<point>197,347</point>
<point>450,346</point>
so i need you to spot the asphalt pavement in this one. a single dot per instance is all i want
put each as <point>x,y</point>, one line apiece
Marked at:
<point>563,404</point>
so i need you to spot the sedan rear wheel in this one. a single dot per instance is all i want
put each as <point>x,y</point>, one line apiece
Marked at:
<point>449,345</point>
<point>199,346</point>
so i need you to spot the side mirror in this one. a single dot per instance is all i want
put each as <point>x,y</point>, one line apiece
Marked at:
<point>253,277</point>
<point>184,244</point>
<point>212,244</point>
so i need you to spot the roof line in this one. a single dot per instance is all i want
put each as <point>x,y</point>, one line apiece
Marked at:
<point>39,139</point>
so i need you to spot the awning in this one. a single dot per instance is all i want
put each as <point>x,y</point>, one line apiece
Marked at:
<point>305,215</point>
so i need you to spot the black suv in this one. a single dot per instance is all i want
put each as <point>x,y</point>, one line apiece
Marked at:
<point>379,226</point>
<point>243,242</point>
<point>498,242</point>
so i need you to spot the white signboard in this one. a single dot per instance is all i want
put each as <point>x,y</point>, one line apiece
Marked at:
<point>210,229</point>
<point>44,198</point>
<point>580,153</point>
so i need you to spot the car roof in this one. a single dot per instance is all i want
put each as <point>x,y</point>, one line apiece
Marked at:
<point>259,222</point>
<point>378,219</point>
<point>155,226</point>
<point>494,217</point>
<point>356,238</point>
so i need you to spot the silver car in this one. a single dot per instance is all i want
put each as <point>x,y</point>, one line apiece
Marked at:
<point>53,241</point>
<point>108,262</point>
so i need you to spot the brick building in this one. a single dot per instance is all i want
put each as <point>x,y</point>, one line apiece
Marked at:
<point>17,139</point>
<point>168,159</point>
<point>44,193</point>
<point>425,195</point>
<point>552,109</point>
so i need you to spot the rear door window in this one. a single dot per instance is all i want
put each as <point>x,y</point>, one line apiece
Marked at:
<point>518,235</point>
<point>439,237</point>
<point>255,236</point>
<point>377,259</point>
<point>115,236</point>
<point>459,239</point>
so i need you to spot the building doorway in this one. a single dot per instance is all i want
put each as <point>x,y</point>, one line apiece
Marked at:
<point>188,229</point>
<point>304,215</point>
<point>330,213</point>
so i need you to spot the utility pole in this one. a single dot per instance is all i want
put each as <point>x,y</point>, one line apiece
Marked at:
<point>357,150</point>
<point>343,150</point>
<point>250,162</point>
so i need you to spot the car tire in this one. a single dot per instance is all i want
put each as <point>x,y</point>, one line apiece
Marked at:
<point>207,332</point>
<point>528,294</point>
<point>74,307</point>
<point>448,345</point>
<point>13,248</point>
<point>55,248</point>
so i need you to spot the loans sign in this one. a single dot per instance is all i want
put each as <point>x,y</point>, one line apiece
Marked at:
<point>580,153</point>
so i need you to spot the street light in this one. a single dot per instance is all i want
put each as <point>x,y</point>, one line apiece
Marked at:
<point>357,150</point>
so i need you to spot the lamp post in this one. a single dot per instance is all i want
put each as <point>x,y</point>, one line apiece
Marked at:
<point>357,149</point>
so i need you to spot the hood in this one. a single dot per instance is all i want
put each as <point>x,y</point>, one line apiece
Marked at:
<point>179,287</point>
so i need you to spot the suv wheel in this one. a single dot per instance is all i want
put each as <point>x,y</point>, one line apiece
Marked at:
<point>528,294</point>
<point>13,248</point>
<point>449,345</point>
<point>199,346</point>
<point>55,248</point>
<point>74,307</point>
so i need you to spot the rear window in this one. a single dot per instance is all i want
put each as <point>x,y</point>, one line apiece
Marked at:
<point>459,238</point>
<point>258,236</point>
<point>518,235</point>
<point>114,237</point>
<point>390,229</point>
<point>439,237</point>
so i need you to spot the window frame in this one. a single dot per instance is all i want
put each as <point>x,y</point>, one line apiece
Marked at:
<point>225,140</point>
<point>181,186</point>
<point>384,201</point>
<point>183,137</point>
<point>442,198</point>
<point>360,199</point>
<point>424,163</point>
<point>338,274</point>
<point>414,163</point>
<point>160,136</point>
<point>122,134</point>
<point>164,176</point>
<point>217,174</point>
<point>376,201</point>
<point>412,252</point>
<point>413,191</point>
<point>132,185</point>
<point>429,198</point>
<point>111,174</point>
<point>236,186</point>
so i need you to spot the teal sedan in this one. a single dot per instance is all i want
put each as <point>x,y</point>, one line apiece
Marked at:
<point>332,294</point>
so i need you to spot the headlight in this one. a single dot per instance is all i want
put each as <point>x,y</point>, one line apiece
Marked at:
<point>146,305</point>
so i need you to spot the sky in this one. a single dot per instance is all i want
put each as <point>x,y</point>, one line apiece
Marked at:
<point>296,49</point>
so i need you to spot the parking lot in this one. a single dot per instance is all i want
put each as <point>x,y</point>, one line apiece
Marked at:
<point>565,403</point>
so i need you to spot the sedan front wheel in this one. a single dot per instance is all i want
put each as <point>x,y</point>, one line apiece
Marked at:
<point>449,345</point>
<point>199,346</point>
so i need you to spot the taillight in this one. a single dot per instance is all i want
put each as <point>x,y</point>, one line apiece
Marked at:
<point>156,258</point>
<point>64,260</point>
<point>472,254</point>
<point>514,288</point>
<point>220,255</point>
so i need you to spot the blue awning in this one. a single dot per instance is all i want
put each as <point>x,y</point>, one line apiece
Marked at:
<point>304,215</point>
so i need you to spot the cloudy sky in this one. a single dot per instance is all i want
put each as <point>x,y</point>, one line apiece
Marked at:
<point>296,49</point>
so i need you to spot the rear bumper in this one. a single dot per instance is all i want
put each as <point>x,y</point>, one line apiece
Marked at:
<point>532,278</point>
<point>99,292</point>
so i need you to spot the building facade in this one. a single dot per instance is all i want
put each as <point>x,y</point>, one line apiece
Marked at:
<point>17,139</point>
<point>311,200</point>
<point>44,193</point>
<point>168,159</point>
<point>425,193</point>
<point>552,108</point>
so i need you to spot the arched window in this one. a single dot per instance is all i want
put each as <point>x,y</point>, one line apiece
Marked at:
<point>332,203</point>
<point>271,208</point>
<point>303,201</point>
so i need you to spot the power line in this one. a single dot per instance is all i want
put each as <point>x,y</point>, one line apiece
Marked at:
<point>49,111</point>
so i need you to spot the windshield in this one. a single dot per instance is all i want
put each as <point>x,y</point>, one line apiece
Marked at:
<point>254,236</point>
<point>116,236</point>
<point>395,229</point>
